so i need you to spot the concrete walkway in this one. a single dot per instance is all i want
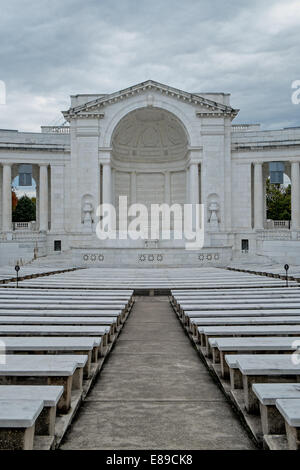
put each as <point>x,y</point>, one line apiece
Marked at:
<point>155,393</point>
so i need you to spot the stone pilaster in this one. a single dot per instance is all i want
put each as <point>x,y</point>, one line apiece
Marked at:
<point>258,197</point>
<point>43,198</point>
<point>6,199</point>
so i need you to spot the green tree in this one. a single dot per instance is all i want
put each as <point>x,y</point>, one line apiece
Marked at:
<point>25,210</point>
<point>278,201</point>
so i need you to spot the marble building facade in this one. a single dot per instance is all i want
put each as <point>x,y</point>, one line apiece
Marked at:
<point>154,144</point>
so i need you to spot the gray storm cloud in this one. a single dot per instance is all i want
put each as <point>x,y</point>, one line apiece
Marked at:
<point>51,49</point>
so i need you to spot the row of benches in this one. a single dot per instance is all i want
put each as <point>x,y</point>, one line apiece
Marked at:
<point>270,271</point>
<point>52,346</point>
<point>249,339</point>
<point>8,273</point>
<point>152,279</point>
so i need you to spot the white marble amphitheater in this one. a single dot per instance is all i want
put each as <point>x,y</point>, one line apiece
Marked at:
<point>154,144</point>
<point>86,322</point>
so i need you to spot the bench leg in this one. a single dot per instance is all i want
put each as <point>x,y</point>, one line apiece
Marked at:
<point>64,403</point>
<point>88,365</point>
<point>104,340</point>
<point>251,400</point>
<point>45,423</point>
<point>95,354</point>
<point>16,438</point>
<point>271,420</point>
<point>77,379</point>
<point>236,379</point>
<point>216,355</point>
<point>293,437</point>
<point>224,366</point>
<point>201,340</point>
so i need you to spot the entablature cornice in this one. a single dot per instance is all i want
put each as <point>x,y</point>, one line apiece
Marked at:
<point>34,159</point>
<point>265,158</point>
<point>92,107</point>
<point>68,115</point>
<point>129,167</point>
<point>217,114</point>
<point>248,147</point>
<point>34,148</point>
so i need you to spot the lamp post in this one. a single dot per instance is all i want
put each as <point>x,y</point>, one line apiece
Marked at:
<point>286,267</point>
<point>17,269</point>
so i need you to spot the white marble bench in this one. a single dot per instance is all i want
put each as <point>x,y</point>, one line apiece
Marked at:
<point>212,292</point>
<point>65,370</point>
<point>65,313</point>
<point>17,423</point>
<point>237,294</point>
<point>267,394</point>
<point>127,294</point>
<point>66,320</point>
<point>95,296</point>
<point>206,332</point>
<point>290,410</point>
<point>238,301</point>
<point>240,313</point>
<point>56,330</point>
<point>264,368</point>
<point>187,316</point>
<point>222,346</point>
<point>238,305</point>
<point>50,396</point>
<point>62,306</point>
<point>90,346</point>
<point>284,320</point>
<point>60,301</point>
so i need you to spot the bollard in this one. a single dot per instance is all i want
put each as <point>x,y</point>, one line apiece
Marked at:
<point>286,267</point>
<point>17,269</point>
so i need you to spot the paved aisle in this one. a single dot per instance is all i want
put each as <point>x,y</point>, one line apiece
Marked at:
<point>154,392</point>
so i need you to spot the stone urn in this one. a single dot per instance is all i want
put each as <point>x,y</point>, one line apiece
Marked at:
<point>213,219</point>
<point>87,217</point>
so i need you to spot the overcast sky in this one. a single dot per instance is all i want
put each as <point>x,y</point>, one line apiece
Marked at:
<point>52,49</point>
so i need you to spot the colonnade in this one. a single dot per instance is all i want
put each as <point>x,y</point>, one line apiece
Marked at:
<point>258,199</point>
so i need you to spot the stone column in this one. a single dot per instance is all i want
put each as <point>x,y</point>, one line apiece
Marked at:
<point>258,197</point>
<point>194,193</point>
<point>295,195</point>
<point>106,183</point>
<point>112,186</point>
<point>57,198</point>
<point>43,198</point>
<point>133,187</point>
<point>6,199</point>
<point>194,183</point>
<point>106,191</point>
<point>187,183</point>
<point>167,187</point>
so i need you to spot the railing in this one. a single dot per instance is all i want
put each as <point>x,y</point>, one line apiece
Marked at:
<point>245,127</point>
<point>274,235</point>
<point>28,237</point>
<point>278,224</point>
<point>55,129</point>
<point>25,226</point>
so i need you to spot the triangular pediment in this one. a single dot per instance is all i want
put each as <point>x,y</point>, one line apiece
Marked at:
<point>96,107</point>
